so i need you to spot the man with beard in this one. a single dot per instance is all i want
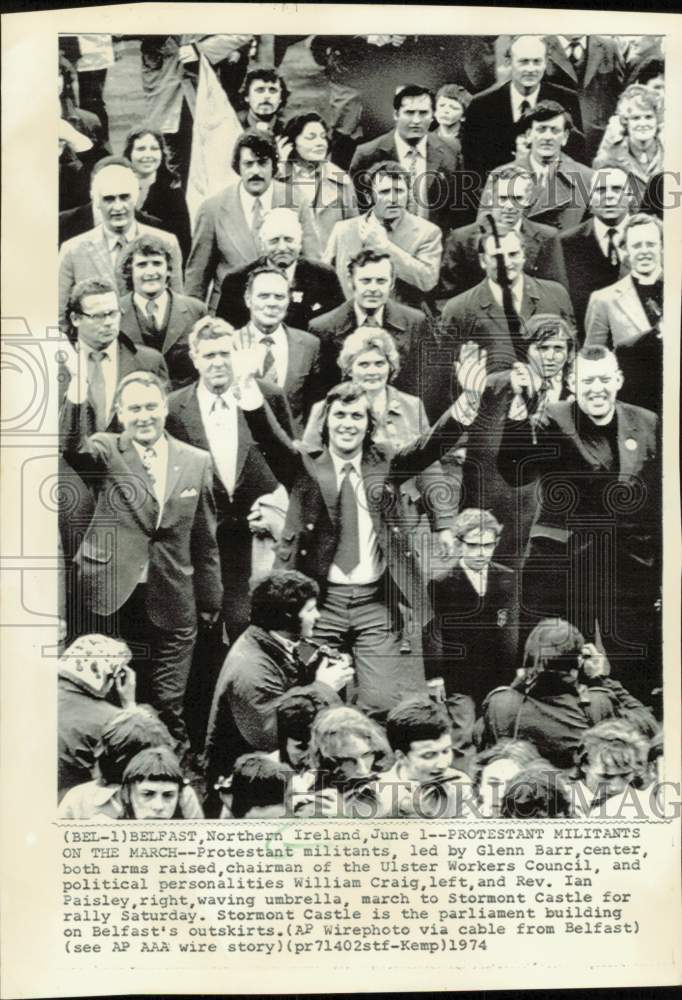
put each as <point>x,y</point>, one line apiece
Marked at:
<point>264,93</point>
<point>314,287</point>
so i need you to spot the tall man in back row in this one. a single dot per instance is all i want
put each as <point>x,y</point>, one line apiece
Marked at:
<point>345,526</point>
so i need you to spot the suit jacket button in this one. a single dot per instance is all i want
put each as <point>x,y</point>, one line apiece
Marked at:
<point>309,527</point>
<point>396,531</point>
<point>304,552</point>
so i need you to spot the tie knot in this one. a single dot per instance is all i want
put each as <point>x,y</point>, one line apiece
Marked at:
<point>219,404</point>
<point>98,355</point>
<point>268,341</point>
<point>611,232</point>
<point>347,469</point>
<point>151,307</point>
<point>149,453</point>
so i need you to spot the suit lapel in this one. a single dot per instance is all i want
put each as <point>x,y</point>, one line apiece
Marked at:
<point>630,460</point>
<point>244,442</point>
<point>176,322</point>
<point>146,512</point>
<point>191,417</point>
<point>235,226</point>
<point>173,471</point>
<point>629,303</point>
<point>529,302</point>
<point>294,361</point>
<point>326,478</point>
<point>560,59</point>
<point>594,55</point>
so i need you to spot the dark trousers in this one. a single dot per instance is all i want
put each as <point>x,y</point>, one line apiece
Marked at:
<point>161,660</point>
<point>610,598</point>
<point>364,622</point>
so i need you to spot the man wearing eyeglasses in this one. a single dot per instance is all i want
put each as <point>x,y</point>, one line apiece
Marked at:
<point>105,355</point>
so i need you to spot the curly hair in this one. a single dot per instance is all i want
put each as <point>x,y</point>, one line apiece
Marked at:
<point>637,93</point>
<point>617,743</point>
<point>268,74</point>
<point>278,599</point>
<point>262,146</point>
<point>295,126</point>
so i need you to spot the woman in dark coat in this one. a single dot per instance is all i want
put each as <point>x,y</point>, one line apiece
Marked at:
<point>160,191</point>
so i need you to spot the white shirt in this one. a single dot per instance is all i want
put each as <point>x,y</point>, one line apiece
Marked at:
<point>109,370</point>
<point>567,40</point>
<point>541,170</point>
<point>479,581</point>
<point>221,426</point>
<point>518,99</point>
<point>406,158</point>
<point>372,564</point>
<point>279,348</point>
<point>158,466</point>
<point>160,307</point>
<point>601,233</point>
<point>362,316</point>
<point>516,290</point>
<point>113,238</point>
<point>248,201</point>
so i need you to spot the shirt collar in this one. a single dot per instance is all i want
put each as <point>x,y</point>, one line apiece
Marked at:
<point>601,228</point>
<point>160,302</point>
<point>516,289</point>
<point>113,238</point>
<point>289,646</point>
<point>107,352</point>
<point>518,99</point>
<point>478,579</point>
<point>207,398</point>
<point>258,334</point>
<point>340,462</point>
<point>362,317</point>
<point>160,447</point>
<point>249,199</point>
<point>567,39</point>
<point>403,147</point>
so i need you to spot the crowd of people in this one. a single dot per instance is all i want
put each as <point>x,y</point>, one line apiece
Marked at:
<point>360,464</point>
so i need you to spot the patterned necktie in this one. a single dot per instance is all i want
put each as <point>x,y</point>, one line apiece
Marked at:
<point>152,314</point>
<point>257,216</point>
<point>269,369</point>
<point>148,457</point>
<point>411,157</point>
<point>348,549</point>
<point>612,248</point>
<point>97,388</point>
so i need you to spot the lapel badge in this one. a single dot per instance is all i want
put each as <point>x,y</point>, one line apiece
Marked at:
<point>297,295</point>
<point>631,444</point>
<point>502,617</point>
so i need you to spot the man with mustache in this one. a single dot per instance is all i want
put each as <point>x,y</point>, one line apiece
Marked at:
<point>264,93</point>
<point>228,224</point>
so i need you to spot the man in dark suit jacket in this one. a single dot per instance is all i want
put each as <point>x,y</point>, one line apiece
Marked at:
<point>593,250</point>
<point>429,161</point>
<point>594,551</point>
<point>372,277</point>
<point>489,135</point>
<point>289,356</point>
<point>262,666</point>
<point>152,314</point>
<point>241,476</point>
<point>475,627</point>
<point>480,314</point>
<point>587,65</point>
<point>347,529</point>
<point>314,287</point>
<point>510,193</point>
<point>148,564</point>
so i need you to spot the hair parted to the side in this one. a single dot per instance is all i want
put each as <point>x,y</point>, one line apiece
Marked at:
<point>89,286</point>
<point>330,729</point>
<point>369,339</point>
<point>346,392</point>
<point>410,90</point>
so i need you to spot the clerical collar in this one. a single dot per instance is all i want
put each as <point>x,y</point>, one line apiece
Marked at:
<point>648,279</point>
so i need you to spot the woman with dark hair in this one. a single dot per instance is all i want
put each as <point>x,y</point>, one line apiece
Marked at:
<point>308,170</point>
<point>161,194</point>
<point>152,785</point>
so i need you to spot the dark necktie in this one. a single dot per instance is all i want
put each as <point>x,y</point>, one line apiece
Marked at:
<point>612,248</point>
<point>513,322</point>
<point>269,369</point>
<point>97,388</point>
<point>148,457</point>
<point>152,314</point>
<point>524,107</point>
<point>348,549</point>
<point>371,320</point>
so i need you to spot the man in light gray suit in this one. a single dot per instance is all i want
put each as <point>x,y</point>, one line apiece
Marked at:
<point>96,253</point>
<point>228,223</point>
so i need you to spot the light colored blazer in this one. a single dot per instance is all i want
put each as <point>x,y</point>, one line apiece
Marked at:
<point>87,256</point>
<point>223,239</point>
<point>415,246</point>
<point>615,316</point>
<point>332,199</point>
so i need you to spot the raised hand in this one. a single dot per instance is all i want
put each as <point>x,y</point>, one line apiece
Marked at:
<point>521,379</point>
<point>246,359</point>
<point>471,369</point>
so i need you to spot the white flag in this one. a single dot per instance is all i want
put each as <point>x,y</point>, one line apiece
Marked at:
<point>216,129</point>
